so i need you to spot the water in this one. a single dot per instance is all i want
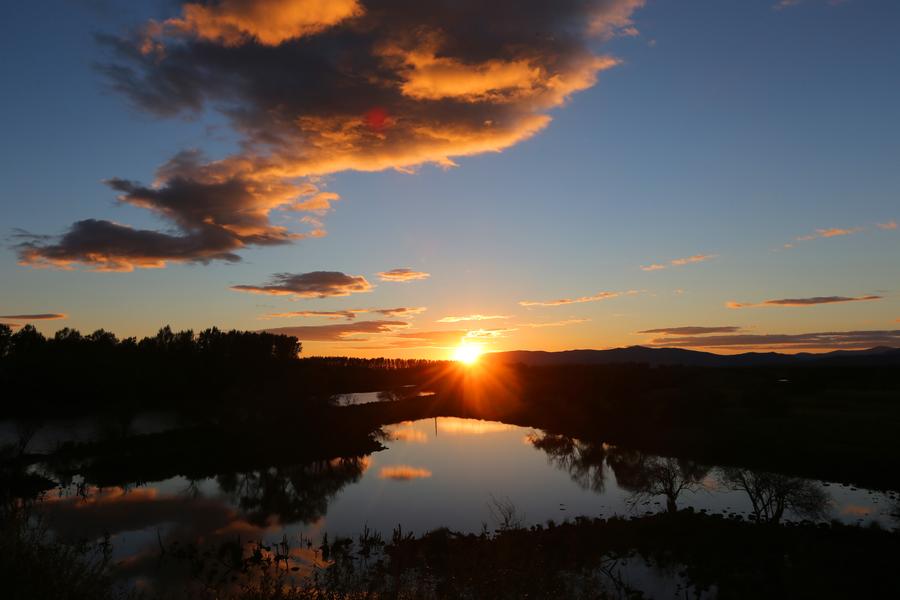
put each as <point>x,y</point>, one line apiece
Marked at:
<point>464,474</point>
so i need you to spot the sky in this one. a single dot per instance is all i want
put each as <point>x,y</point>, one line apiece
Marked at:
<point>396,178</point>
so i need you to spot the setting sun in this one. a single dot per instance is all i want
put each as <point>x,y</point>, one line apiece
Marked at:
<point>467,353</point>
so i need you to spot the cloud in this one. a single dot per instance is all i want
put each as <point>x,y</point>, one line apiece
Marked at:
<point>316,87</point>
<point>888,226</point>
<point>36,317</point>
<point>692,259</point>
<point>268,22</point>
<point>476,317</point>
<point>691,330</point>
<point>816,300</point>
<point>215,213</point>
<point>489,333</point>
<point>555,323</point>
<point>653,267</point>
<point>402,311</point>
<point>403,473</point>
<point>782,4</point>
<point>563,301</point>
<point>349,314</point>
<point>316,284</point>
<point>829,233</point>
<point>849,340</point>
<point>403,274</point>
<point>679,262</point>
<point>340,332</point>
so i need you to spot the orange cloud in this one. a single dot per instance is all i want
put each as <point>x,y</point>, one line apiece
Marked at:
<point>413,84</point>
<point>829,233</point>
<point>693,259</point>
<point>269,22</point>
<point>890,225</point>
<point>679,262</point>
<point>403,473</point>
<point>403,274</point>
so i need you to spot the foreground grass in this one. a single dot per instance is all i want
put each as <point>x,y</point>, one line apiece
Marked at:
<point>725,558</point>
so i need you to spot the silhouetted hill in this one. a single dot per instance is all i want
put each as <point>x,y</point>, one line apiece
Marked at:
<point>692,358</point>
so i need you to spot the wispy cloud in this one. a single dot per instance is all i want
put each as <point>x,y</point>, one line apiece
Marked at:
<point>830,233</point>
<point>692,330</point>
<point>340,332</point>
<point>679,262</point>
<point>849,340</point>
<point>653,267</point>
<point>476,317</point>
<point>562,323</point>
<point>403,274</point>
<point>35,317</point>
<point>888,226</point>
<point>797,302</point>
<point>349,314</point>
<point>316,284</point>
<point>564,301</point>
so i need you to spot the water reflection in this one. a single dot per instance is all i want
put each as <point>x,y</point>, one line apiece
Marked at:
<point>433,473</point>
<point>772,494</point>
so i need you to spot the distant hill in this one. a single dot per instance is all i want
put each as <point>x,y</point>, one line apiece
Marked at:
<point>694,358</point>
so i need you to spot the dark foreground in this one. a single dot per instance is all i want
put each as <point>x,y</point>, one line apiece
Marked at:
<point>245,403</point>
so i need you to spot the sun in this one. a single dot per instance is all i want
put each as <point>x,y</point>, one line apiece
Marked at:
<point>467,353</point>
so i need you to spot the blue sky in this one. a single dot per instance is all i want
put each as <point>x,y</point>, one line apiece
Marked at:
<point>729,129</point>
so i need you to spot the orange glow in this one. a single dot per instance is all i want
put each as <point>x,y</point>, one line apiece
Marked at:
<point>404,473</point>
<point>467,353</point>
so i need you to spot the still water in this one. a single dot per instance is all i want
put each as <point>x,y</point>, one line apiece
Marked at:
<point>445,472</point>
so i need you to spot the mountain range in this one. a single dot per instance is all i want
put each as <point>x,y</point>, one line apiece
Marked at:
<point>879,356</point>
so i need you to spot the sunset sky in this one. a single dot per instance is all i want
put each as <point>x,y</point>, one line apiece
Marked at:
<point>391,178</point>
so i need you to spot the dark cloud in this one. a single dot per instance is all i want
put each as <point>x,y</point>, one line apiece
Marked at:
<point>36,317</point>
<point>692,330</point>
<point>316,284</point>
<point>339,333</point>
<point>349,314</point>
<point>314,87</point>
<point>215,213</point>
<point>816,300</point>
<point>848,340</point>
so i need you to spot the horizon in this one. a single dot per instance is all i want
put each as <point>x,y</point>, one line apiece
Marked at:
<point>718,178</point>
